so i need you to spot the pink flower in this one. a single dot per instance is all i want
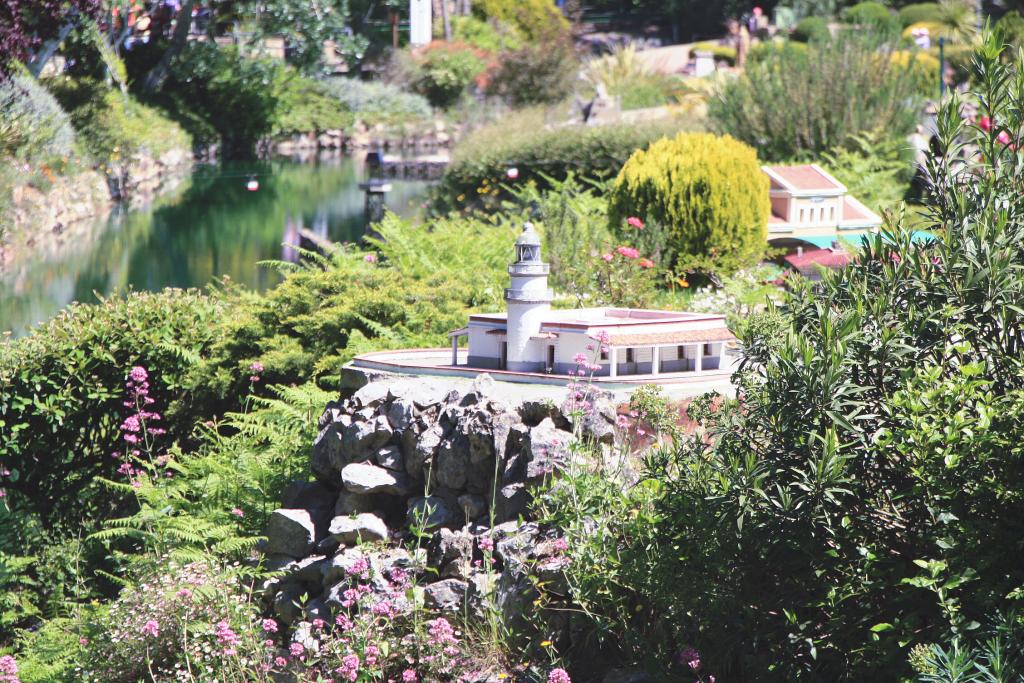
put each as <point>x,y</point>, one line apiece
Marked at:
<point>318,624</point>
<point>607,257</point>
<point>560,544</point>
<point>237,512</point>
<point>226,637</point>
<point>408,676</point>
<point>559,676</point>
<point>691,658</point>
<point>985,124</point>
<point>628,252</point>
<point>349,668</point>
<point>270,626</point>
<point>645,263</point>
<point>580,359</point>
<point>296,649</point>
<point>256,367</point>
<point>635,222</point>
<point>441,632</point>
<point>280,662</point>
<point>486,543</point>
<point>1003,137</point>
<point>150,628</point>
<point>343,622</point>
<point>138,374</point>
<point>358,568</point>
<point>184,593</point>
<point>370,258</point>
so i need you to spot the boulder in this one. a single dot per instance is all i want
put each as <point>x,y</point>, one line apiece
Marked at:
<point>446,596</point>
<point>419,451</point>
<point>547,450</point>
<point>371,395</point>
<point>513,501</point>
<point>432,512</point>
<point>390,457</point>
<point>452,462</point>
<point>336,568</point>
<point>401,413</point>
<point>365,479</point>
<point>290,532</point>
<point>352,504</point>
<point>473,506</point>
<point>451,552</point>
<point>286,604</point>
<point>364,527</point>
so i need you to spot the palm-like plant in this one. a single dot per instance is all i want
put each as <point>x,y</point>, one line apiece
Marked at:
<point>959,20</point>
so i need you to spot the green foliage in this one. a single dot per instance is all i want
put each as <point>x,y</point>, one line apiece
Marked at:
<point>811,29</point>
<point>536,73</point>
<point>625,76</point>
<point>33,126</point>
<point>214,88</point>
<point>1011,26</point>
<point>920,12</point>
<point>875,168</point>
<point>534,19</point>
<point>708,191</point>
<point>484,35</point>
<point>524,141</point>
<point>306,105</point>
<point>443,72</point>
<point>374,102</point>
<point>874,16</point>
<point>856,503</point>
<point>113,126</point>
<point>793,106</point>
<point>306,29</point>
<point>721,53</point>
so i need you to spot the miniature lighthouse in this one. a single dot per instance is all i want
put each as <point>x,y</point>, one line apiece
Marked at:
<point>528,299</point>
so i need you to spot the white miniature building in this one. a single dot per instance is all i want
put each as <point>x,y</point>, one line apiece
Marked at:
<point>532,338</point>
<point>809,205</point>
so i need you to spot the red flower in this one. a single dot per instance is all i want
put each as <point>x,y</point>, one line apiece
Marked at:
<point>628,252</point>
<point>985,124</point>
<point>646,263</point>
<point>635,222</point>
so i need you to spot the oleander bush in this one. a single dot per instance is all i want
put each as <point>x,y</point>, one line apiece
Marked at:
<point>793,106</point>
<point>538,151</point>
<point>708,193</point>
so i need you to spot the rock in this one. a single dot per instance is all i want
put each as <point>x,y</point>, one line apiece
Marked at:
<point>290,532</point>
<point>452,463</point>
<point>364,527</point>
<point>547,449</point>
<point>390,457</point>
<point>361,439</point>
<point>371,395</point>
<point>474,506</point>
<point>447,596</point>
<point>401,414</point>
<point>286,604</point>
<point>514,544</point>
<point>326,452</point>
<point>512,502</point>
<point>422,450</point>
<point>598,423</point>
<point>315,498</point>
<point>431,512</point>
<point>336,568</point>
<point>352,504</point>
<point>484,384</point>
<point>451,552</point>
<point>306,572</point>
<point>362,478</point>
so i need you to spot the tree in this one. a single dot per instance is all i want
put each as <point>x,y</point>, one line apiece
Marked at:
<point>26,25</point>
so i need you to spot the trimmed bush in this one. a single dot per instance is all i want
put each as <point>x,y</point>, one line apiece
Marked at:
<point>484,35</point>
<point>306,105</point>
<point>811,29</point>
<point>919,12</point>
<point>539,153</point>
<point>443,71</point>
<point>534,19</point>
<point>873,15</point>
<point>709,194</point>
<point>721,53</point>
<point>540,73</point>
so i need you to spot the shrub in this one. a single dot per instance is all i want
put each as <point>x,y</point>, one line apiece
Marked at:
<point>113,126</point>
<point>534,19</point>
<point>721,53</point>
<point>935,30</point>
<point>628,78</point>
<point>811,29</point>
<point>375,102</point>
<point>1011,26</point>
<point>920,12</point>
<point>443,71</point>
<point>538,152</point>
<point>710,194</point>
<point>539,73</point>
<point>305,105</point>
<point>875,168</point>
<point>791,51</point>
<point>792,106</point>
<point>34,125</point>
<point>873,15</point>
<point>488,36</point>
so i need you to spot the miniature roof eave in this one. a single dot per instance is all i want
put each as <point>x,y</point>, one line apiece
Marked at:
<point>717,334</point>
<point>837,188</point>
<point>461,332</point>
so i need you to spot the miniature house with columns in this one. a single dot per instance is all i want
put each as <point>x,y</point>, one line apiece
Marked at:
<point>532,338</point>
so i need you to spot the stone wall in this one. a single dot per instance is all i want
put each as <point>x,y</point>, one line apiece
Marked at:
<point>458,460</point>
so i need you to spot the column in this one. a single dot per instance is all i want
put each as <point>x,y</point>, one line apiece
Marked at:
<point>613,357</point>
<point>455,350</point>
<point>655,360</point>
<point>700,358</point>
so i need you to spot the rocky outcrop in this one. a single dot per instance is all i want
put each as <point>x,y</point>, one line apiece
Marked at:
<point>452,465</point>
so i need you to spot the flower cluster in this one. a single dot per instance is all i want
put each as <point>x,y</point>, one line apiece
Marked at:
<point>8,670</point>
<point>559,676</point>
<point>256,368</point>
<point>140,428</point>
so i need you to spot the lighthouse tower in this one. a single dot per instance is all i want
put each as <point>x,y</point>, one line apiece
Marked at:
<point>528,299</point>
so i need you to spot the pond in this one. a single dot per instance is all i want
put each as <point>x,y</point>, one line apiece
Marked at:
<point>209,226</point>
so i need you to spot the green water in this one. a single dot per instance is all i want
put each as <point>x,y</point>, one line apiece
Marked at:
<point>209,226</point>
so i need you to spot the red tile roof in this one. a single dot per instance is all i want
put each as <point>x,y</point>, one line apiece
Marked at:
<point>805,177</point>
<point>680,337</point>
<point>853,212</point>
<point>809,261</point>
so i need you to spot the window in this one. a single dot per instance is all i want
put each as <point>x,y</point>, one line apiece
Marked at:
<point>801,215</point>
<point>832,215</point>
<point>629,355</point>
<point>707,349</point>
<point>680,352</point>
<point>604,353</point>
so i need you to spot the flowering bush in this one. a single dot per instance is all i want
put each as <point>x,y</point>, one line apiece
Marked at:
<point>620,276</point>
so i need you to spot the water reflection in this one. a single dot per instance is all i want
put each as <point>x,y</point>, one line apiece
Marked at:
<point>210,226</point>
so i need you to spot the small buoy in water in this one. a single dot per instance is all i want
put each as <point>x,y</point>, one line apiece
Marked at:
<point>252,184</point>
<point>512,173</point>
